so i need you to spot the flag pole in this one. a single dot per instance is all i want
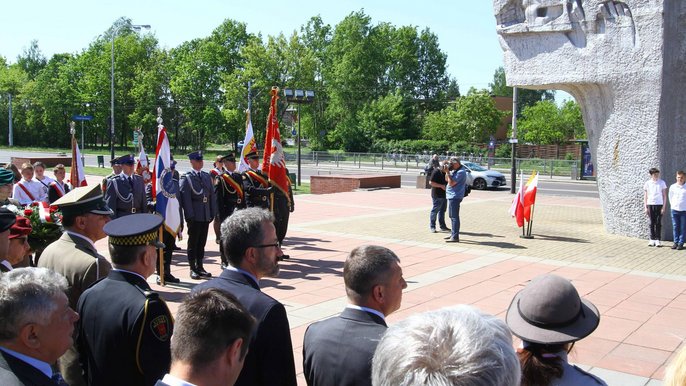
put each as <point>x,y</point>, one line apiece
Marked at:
<point>160,256</point>
<point>533,206</point>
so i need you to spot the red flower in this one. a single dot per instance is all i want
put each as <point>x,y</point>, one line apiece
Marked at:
<point>28,212</point>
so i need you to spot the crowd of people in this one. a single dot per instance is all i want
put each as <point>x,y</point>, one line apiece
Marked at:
<point>79,318</point>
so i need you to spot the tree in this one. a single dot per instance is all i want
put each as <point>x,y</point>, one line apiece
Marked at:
<point>32,60</point>
<point>545,123</point>
<point>526,97</point>
<point>472,118</point>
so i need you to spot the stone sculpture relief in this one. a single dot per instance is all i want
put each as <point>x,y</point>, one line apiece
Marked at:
<point>623,61</point>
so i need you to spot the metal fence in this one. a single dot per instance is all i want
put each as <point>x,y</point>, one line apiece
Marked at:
<point>417,162</point>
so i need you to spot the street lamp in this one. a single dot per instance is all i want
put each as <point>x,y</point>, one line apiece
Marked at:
<point>298,97</point>
<point>135,27</point>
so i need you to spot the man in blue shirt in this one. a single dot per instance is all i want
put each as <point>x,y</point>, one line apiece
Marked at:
<point>457,179</point>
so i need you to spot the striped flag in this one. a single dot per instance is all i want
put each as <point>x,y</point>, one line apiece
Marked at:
<point>517,208</point>
<point>77,176</point>
<point>163,186</point>
<point>529,197</point>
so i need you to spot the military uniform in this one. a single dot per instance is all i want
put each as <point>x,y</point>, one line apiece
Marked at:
<point>228,190</point>
<point>116,169</point>
<point>126,194</point>
<point>256,188</point>
<point>125,328</point>
<point>283,206</point>
<point>74,256</point>
<point>199,209</point>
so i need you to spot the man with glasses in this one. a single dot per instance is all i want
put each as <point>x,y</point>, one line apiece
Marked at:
<point>250,244</point>
<point>74,256</point>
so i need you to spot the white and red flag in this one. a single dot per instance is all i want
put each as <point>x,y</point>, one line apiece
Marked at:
<point>517,208</point>
<point>530,195</point>
<point>249,144</point>
<point>165,190</point>
<point>77,176</point>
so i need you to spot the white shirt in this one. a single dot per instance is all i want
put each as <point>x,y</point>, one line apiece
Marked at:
<point>367,309</point>
<point>677,197</point>
<point>654,191</point>
<point>34,187</point>
<point>173,381</point>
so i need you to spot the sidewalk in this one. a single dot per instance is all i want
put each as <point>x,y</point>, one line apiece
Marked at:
<point>640,291</point>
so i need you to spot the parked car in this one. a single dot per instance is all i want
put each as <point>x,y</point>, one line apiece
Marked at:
<point>478,177</point>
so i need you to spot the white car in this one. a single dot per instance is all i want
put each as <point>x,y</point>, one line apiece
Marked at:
<point>478,177</point>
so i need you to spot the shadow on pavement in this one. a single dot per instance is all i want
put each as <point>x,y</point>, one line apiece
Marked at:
<point>479,234</point>
<point>561,238</point>
<point>495,244</point>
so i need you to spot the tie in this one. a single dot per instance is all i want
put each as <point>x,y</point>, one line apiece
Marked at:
<point>57,378</point>
<point>131,182</point>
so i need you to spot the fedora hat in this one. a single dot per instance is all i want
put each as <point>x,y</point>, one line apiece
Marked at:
<point>549,310</point>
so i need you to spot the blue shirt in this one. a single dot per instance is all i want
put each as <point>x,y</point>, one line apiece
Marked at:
<point>456,192</point>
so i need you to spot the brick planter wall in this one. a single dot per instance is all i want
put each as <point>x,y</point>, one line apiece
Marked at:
<point>348,183</point>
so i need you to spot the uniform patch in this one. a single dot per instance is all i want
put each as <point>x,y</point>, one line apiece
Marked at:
<point>160,328</point>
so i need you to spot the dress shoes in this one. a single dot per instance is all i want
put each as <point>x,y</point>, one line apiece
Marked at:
<point>680,247</point>
<point>675,245</point>
<point>168,278</point>
<point>203,273</point>
<point>445,229</point>
<point>452,240</point>
<point>195,275</point>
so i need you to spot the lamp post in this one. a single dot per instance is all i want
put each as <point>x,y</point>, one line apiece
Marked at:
<point>135,27</point>
<point>298,97</point>
<point>513,141</point>
<point>11,135</point>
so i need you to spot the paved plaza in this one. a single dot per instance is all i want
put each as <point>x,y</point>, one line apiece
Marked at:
<point>640,291</point>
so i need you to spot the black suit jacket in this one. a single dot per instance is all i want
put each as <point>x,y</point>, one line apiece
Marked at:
<point>338,351</point>
<point>15,372</point>
<point>270,358</point>
<point>124,332</point>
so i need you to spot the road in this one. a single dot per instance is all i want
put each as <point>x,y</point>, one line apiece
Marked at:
<point>559,186</point>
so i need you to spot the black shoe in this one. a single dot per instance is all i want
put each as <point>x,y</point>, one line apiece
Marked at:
<point>224,266</point>
<point>680,247</point>
<point>203,273</point>
<point>168,277</point>
<point>432,230</point>
<point>447,237</point>
<point>445,229</point>
<point>452,240</point>
<point>675,245</point>
<point>195,275</point>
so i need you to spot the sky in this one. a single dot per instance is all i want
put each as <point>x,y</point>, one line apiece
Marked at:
<point>465,28</point>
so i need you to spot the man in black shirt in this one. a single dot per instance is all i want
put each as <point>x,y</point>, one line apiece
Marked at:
<point>438,184</point>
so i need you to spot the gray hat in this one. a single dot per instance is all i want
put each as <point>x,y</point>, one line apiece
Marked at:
<point>549,310</point>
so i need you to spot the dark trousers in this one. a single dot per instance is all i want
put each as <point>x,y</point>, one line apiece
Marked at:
<point>679,226</point>
<point>169,241</point>
<point>281,216</point>
<point>197,238</point>
<point>655,221</point>
<point>438,210</point>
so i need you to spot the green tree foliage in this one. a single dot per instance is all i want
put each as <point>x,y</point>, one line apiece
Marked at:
<point>545,123</point>
<point>472,118</point>
<point>372,81</point>
<point>526,97</point>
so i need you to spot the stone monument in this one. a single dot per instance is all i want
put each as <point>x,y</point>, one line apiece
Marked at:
<point>624,63</point>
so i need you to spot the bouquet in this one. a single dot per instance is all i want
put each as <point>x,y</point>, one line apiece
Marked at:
<point>46,223</point>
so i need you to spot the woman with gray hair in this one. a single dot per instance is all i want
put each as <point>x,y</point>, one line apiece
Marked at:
<point>451,346</point>
<point>549,316</point>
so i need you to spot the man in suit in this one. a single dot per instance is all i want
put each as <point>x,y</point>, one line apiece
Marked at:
<point>125,328</point>
<point>211,337</point>
<point>37,326</point>
<point>199,208</point>
<point>255,183</point>
<point>228,190</point>
<point>126,192</point>
<point>84,215</point>
<point>339,350</point>
<point>253,250</point>
<point>7,219</point>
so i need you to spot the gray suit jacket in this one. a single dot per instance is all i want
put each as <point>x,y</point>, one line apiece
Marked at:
<point>125,198</point>
<point>197,197</point>
<point>339,351</point>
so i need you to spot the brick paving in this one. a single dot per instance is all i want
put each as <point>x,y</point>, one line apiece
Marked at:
<point>640,291</point>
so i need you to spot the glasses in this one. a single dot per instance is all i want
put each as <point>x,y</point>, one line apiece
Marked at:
<point>266,245</point>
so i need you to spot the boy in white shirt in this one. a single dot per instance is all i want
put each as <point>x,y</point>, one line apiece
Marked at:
<point>654,200</point>
<point>677,200</point>
<point>27,190</point>
<point>39,175</point>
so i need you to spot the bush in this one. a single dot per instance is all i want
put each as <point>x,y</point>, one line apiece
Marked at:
<point>504,150</point>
